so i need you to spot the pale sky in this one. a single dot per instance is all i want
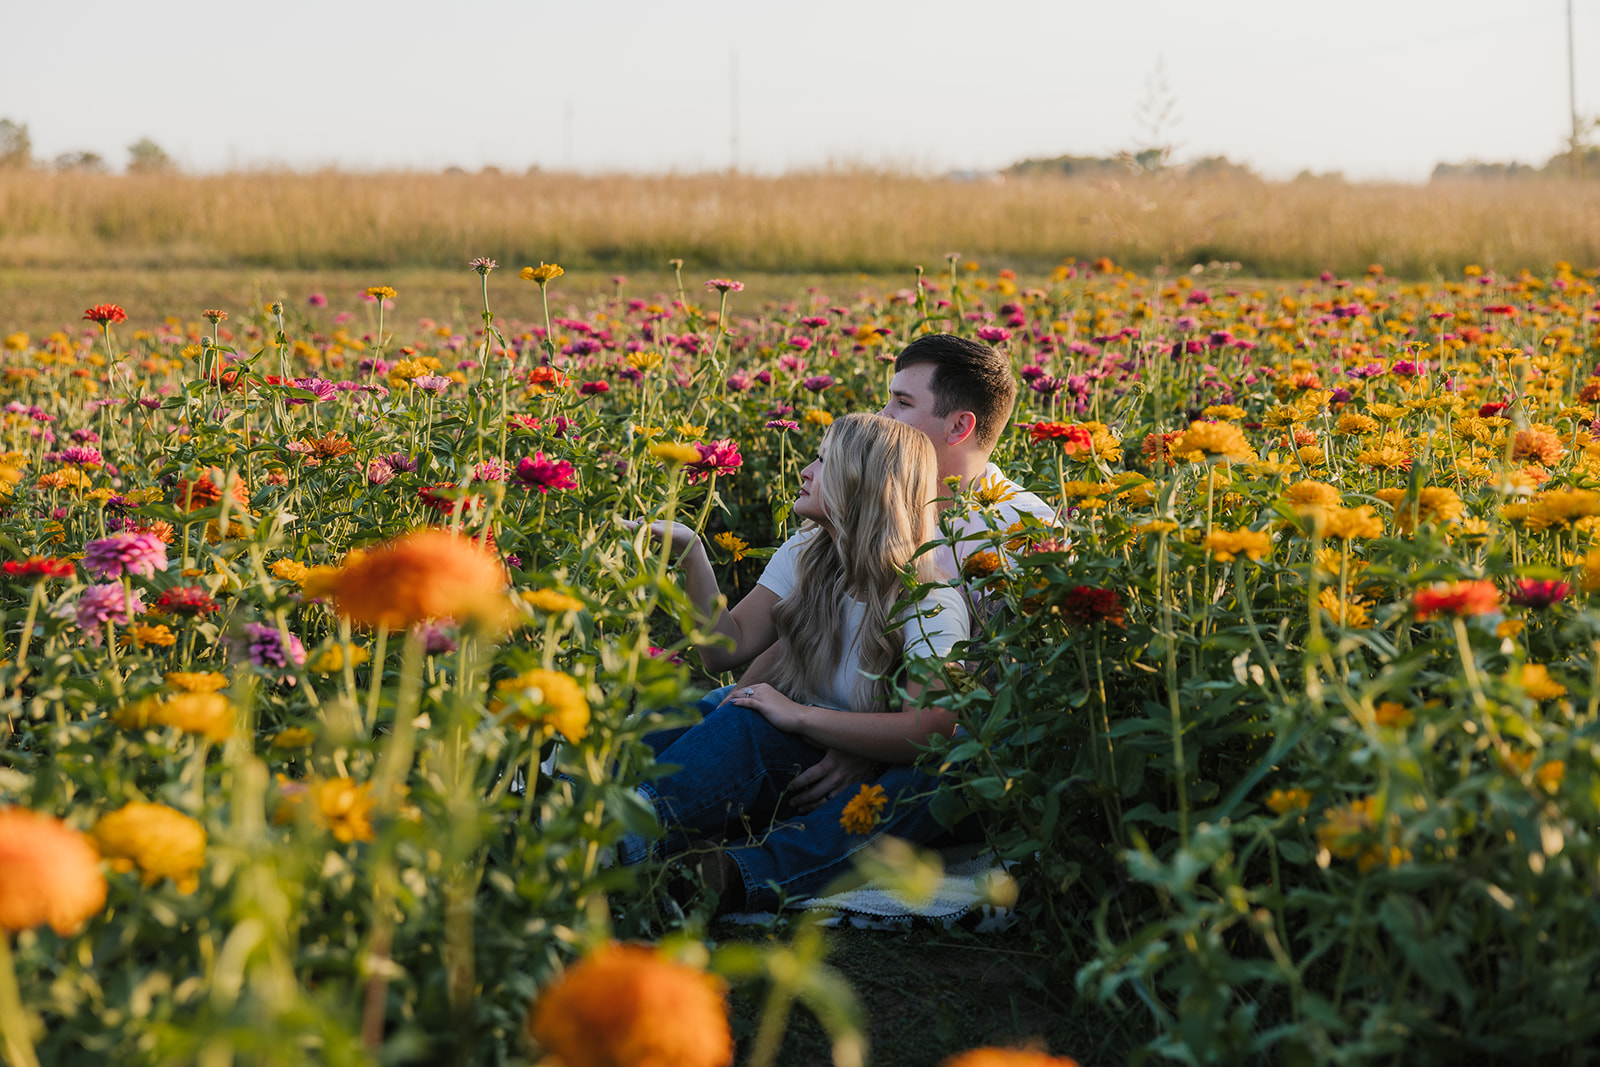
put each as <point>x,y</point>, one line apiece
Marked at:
<point>1377,89</point>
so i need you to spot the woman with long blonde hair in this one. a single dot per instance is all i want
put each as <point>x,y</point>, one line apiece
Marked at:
<point>828,600</point>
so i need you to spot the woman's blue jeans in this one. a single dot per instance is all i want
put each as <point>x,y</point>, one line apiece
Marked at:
<point>734,770</point>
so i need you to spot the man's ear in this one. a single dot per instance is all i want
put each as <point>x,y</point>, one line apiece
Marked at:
<point>962,425</point>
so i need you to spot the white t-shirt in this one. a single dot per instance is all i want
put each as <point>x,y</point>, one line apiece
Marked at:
<point>972,528</point>
<point>939,622</point>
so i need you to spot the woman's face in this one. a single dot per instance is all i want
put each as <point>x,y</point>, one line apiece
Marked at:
<point>808,503</point>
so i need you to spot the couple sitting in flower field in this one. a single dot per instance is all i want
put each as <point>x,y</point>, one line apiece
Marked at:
<point>769,769</point>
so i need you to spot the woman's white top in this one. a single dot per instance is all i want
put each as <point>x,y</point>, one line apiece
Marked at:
<point>931,631</point>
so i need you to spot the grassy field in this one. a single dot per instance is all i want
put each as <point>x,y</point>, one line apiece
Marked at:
<point>828,223</point>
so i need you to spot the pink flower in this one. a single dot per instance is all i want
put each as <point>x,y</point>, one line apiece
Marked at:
<point>1536,594</point>
<point>818,382</point>
<point>725,285</point>
<point>536,472</point>
<point>994,334</point>
<point>317,300</point>
<point>379,472</point>
<point>100,604</point>
<point>125,553</point>
<point>718,457</point>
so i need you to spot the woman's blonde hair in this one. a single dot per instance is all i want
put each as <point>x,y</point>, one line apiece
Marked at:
<point>878,486</point>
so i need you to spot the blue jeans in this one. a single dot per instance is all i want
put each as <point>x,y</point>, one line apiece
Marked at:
<point>735,767</point>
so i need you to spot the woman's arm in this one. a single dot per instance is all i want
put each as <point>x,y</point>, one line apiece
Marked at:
<point>749,624</point>
<point>887,736</point>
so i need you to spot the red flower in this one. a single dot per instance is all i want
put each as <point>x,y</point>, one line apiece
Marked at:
<point>187,600</point>
<point>106,313</point>
<point>718,457</point>
<point>1492,408</point>
<point>1072,439</point>
<point>38,568</point>
<point>542,474</point>
<point>1535,594</point>
<point>1479,597</point>
<point>591,388</point>
<point>1085,605</point>
<point>433,498</point>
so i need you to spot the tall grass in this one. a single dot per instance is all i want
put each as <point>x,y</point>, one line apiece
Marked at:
<point>814,222</point>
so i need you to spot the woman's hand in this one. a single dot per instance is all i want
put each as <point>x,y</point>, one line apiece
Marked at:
<point>778,709</point>
<point>682,537</point>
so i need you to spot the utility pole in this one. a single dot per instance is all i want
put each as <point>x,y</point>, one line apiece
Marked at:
<point>733,110</point>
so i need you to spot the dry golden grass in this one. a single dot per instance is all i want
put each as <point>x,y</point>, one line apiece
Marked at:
<point>818,222</point>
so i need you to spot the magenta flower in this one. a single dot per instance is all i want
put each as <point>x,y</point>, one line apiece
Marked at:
<point>433,383</point>
<point>782,424</point>
<point>994,334</point>
<point>379,472</point>
<point>1537,594</point>
<point>818,382</point>
<point>82,457</point>
<point>738,383</point>
<point>593,388</point>
<point>317,300</point>
<point>725,285</point>
<point>718,457</point>
<point>125,553</point>
<point>491,470</point>
<point>536,472</point>
<point>100,604</point>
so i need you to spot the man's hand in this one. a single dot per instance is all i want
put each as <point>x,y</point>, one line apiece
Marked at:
<point>823,780</point>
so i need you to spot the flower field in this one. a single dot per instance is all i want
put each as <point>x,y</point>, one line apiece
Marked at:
<point>327,653</point>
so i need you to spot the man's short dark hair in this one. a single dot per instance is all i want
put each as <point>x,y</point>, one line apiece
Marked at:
<point>968,375</point>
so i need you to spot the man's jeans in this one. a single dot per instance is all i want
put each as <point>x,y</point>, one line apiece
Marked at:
<point>735,769</point>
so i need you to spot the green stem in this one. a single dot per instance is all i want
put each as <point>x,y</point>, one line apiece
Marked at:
<point>13,1018</point>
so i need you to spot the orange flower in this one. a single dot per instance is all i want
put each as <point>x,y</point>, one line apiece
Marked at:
<point>860,815</point>
<point>426,574</point>
<point>1072,439</point>
<point>1456,598</point>
<point>49,873</point>
<point>628,1006</point>
<point>203,491</point>
<point>1008,1057</point>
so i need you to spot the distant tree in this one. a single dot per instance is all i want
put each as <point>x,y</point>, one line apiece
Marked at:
<point>16,147</point>
<point>86,161</point>
<point>147,157</point>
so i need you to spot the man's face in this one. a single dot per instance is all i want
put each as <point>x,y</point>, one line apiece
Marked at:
<point>911,402</point>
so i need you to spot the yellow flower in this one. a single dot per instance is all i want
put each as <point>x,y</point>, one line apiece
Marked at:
<point>1550,775</point>
<point>732,544</point>
<point>319,581</point>
<point>647,431</point>
<point>547,698</point>
<point>407,369</point>
<point>1388,713</point>
<point>1155,527</point>
<point>1223,412</point>
<point>381,292</point>
<point>817,417</point>
<point>1346,611</point>
<point>143,634</point>
<point>860,815</point>
<point>980,565</point>
<point>196,682</point>
<point>629,1006</point>
<point>1283,801</point>
<point>16,342</point>
<point>1309,494</point>
<point>160,841</point>
<point>1538,684</point>
<point>685,429</point>
<point>340,804</point>
<point>644,361</point>
<point>289,570</point>
<point>1348,523</point>
<point>293,737</point>
<point>543,273</point>
<point>1213,440</point>
<point>550,601</point>
<point>333,659</point>
<point>1225,544</point>
<point>1344,828</point>
<point>674,453</point>
<point>208,714</point>
<point>1387,457</point>
<point>1539,444</point>
<point>1351,424</point>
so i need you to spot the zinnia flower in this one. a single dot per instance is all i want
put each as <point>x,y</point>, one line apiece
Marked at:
<point>426,574</point>
<point>100,604</point>
<point>269,647</point>
<point>541,474</point>
<point>725,285</point>
<point>548,699</point>
<point>1008,1057</point>
<point>161,841</point>
<point>38,568</point>
<point>1225,544</point>
<point>49,873</point>
<point>125,553</point>
<point>542,274</point>
<point>1478,597</point>
<point>340,804</point>
<point>628,1006</point>
<point>1085,605</point>
<point>860,815</point>
<point>1072,439</point>
<point>1213,440</point>
<point>106,314</point>
<point>718,457</point>
<point>1537,594</point>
